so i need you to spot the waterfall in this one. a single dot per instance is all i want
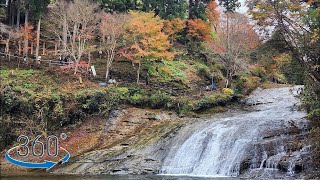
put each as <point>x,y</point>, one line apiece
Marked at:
<point>263,138</point>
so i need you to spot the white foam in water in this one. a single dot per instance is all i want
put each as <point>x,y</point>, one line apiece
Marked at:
<point>219,149</point>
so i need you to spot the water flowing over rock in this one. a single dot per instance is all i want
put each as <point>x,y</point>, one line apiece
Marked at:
<point>264,142</point>
<point>266,138</point>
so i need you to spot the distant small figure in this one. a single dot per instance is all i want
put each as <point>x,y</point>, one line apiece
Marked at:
<point>39,59</point>
<point>300,90</point>
<point>25,59</point>
<point>60,61</point>
<point>212,87</point>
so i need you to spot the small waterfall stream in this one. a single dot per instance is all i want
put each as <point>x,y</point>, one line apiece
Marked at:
<point>268,138</point>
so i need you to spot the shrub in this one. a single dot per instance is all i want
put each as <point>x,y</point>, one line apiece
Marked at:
<point>314,117</point>
<point>202,69</point>
<point>159,100</point>
<point>138,98</point>
<point>122,93</point>
<point>211,101</point>
<point>228,91</point>
<point>248,83</point>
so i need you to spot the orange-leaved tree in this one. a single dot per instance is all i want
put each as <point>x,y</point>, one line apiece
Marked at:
<point>26,33</point>
<point>173,27</point>
<point>213,14</point>
<point>199,30</point>
<point>145,39</point>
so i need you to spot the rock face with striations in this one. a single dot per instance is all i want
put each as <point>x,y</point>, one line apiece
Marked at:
<point>268,140</point>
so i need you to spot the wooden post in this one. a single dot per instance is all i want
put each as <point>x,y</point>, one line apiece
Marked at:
<point>44,48</point>
<point>55,49</point>
<point>38,38</point>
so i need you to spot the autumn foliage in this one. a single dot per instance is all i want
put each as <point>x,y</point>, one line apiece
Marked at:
<point>212,12</point>
<point>199,30</point>
<point>173,27</point>
<point>148,42</point>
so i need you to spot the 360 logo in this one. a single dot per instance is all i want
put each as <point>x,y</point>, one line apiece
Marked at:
<point>38,149</point>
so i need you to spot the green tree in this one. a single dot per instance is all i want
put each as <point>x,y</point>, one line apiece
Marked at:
<point>197,9</point>
<point>299,24</point>
<point>230,5</point>
<point>120,5</point>
<point>166,9</point>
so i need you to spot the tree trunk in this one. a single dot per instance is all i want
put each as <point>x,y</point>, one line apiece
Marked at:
<point>107,74</point>
<point>12,13</point>
<point>19,47</point>
<point>138,72</point>
<point>18,14</point>
<point>38,39</point>
<point>31,49</point>
<point>25,49</point>
<point>7,47</point>
<point>9,11</point>
<point>64,36</point>
<point>228,38</point>
<point>76,67</point>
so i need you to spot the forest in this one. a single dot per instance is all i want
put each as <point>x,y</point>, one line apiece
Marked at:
<point>65,61</point>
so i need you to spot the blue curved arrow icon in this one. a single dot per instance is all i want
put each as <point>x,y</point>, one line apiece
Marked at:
<point>45,165</point>
<point>65,158</point>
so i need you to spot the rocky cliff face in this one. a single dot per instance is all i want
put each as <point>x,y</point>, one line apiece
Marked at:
<point>267,138</point>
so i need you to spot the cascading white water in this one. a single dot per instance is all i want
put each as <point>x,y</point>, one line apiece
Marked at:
<point>250,140</point>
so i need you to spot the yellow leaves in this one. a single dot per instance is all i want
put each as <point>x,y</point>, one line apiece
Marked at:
<point>227,91</point>
<point>281,60</point>
<point>145,23</point>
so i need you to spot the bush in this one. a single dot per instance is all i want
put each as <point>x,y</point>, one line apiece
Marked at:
<point>211,101</point>
<point>247,83</point>
<point>228,91</point>
<point>202,69</point>
<point>138,98</point>
<point>122,93</point>
<point>314,117</point>
<point>159,100</point>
